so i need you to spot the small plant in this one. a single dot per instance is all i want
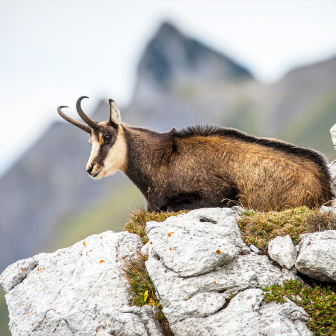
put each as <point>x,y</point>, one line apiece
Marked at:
<point>141,286</point>
<point>142,289</point>
<point>259,228</point>
<point>318,302</point>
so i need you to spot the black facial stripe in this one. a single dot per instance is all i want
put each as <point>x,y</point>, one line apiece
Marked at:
<point>104,149</point>
<point>103,152</point>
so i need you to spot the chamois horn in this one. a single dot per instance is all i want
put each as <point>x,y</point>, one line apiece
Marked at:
<point>82,126</point>
<point>90,122</point>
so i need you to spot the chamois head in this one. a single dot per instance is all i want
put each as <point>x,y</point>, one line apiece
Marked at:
<point>107,139</point>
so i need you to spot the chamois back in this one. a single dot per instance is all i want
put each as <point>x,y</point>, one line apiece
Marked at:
<point>267,173</point>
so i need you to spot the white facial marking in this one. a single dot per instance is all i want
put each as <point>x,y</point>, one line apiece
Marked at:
<point>94,151</point>
<point>116,158</point>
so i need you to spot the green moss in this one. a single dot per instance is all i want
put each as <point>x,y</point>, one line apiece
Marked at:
<point>318,302</point>
<point>259,228</point>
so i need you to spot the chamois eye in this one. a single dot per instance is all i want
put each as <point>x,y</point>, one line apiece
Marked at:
<point>107,137</point>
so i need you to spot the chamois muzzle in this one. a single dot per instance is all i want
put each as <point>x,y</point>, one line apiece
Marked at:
<point>94,169</point>
<point>73,121</point>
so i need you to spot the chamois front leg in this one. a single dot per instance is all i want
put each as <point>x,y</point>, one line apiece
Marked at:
<point>155,203</point>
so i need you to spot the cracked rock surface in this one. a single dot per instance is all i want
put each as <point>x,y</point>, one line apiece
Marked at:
<point>317,255</point>
<point>197,242</point>
<point>194,285</point>
<point>78,290</point>
<point>247,315</point>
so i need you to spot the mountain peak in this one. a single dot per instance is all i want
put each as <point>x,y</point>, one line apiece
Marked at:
<point>167,28</point>
<point>171,58</point>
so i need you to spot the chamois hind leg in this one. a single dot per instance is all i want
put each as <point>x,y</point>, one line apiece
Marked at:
<point>183,206</point>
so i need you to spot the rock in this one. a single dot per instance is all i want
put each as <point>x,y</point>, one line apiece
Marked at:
<point>317,255</point>
<point>196,242</point>
<point>282,250</point>
<point>179,296</point>
<point>333,135</point>
<point>191,288</point>
<point>327,209</point>
<point>254,249</point>
<point>247,315</point>
<point>238,210</point>
<point>78,290</point>
<point>332,168</point>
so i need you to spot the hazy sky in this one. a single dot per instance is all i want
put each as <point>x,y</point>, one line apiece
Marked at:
<point>52,52</point>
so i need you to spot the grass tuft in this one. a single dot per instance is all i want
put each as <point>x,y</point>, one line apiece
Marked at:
<point>318,302</point>
<point>259,228</point>
<point>142,289</point>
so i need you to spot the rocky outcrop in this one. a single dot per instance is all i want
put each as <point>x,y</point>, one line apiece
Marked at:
<point>206,279</point>
<point>79,290</point>
<point>194,283</point>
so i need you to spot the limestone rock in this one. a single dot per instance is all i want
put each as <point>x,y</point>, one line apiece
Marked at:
<point>201,291</point>
<point>333,135</point>
<point>78,290</point>
<point>247,315</point>
<point>332,168</point>
<point>326,209</point>
<point>317,255</point>
<point>282,250</point>
<point>179,296</point>
<point>254,249</point>
<point>197,242</point>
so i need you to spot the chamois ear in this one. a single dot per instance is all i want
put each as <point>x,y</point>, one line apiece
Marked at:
<point>114,113</point>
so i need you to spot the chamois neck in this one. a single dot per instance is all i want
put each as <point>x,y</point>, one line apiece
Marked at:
<point>147,151</point>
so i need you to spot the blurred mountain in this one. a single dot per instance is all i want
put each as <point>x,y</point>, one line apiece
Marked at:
<point>181,81</point>
<point>47,201</point>
<point>302,106</point>
<point>172,59</point>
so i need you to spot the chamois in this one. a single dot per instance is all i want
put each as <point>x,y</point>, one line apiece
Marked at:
<point>205,166</point>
